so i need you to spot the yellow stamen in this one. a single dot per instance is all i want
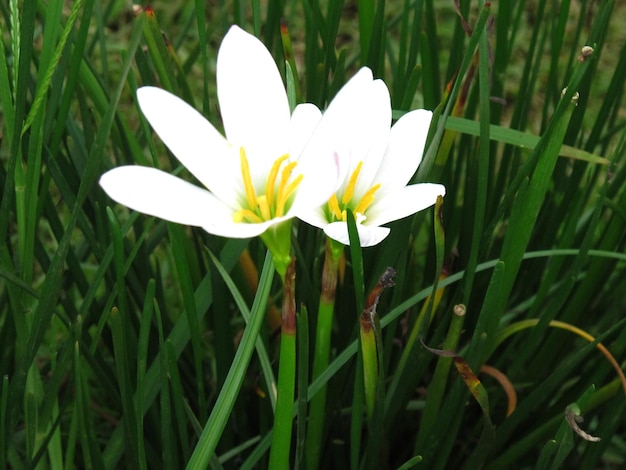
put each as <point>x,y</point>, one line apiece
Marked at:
<point>349,192</point>
<point>247,179</point>
<point>246,215</point>
<point>259,208</point>
<point>333,205</point>
<point>284,195</point>
<point>282,185</point>
<point>366,200</point>
<point>271,179</point>
<point>284,176</point>
<point>264,207</point>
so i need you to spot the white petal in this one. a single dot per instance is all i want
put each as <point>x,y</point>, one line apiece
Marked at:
<point>339,129</point>
<point>315,217</point>
<point>368,236</point>
<point>229,229</point>
<point>405,149</point>
<point>319,182</point>
<point>351,94</point>
<point>160,194</point>
<point>252,98</point>
<point>304,120</point>
<point>403,202</point>
<point>192,139</point>
<point>325,161</point>
<point>371,144</point>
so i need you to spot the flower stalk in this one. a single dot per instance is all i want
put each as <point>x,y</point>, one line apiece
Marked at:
<point>371,341</point>
<point>277,238</point>
<point>325,315</point>
<point>283,415</point>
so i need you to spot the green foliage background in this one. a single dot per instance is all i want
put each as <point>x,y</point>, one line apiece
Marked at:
<point>119,331</point>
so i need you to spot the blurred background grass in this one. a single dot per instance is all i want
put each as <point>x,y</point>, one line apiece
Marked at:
<point>118,330</point>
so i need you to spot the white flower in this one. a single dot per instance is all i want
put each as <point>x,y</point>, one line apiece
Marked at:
<point>257,176</point>
<point>376,163</point>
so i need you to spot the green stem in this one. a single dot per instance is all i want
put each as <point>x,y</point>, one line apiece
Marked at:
<point>370,341</point>
<point>317,409</point>
<point>283,415</point>
<point>277,239</point>
<point>370,363</point>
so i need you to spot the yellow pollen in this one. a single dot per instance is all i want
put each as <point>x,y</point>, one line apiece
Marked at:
<point>366,200</point>
<point>271,179</point>
<point>247,179</point>
<point>349,192</point>
<point>333,205</point>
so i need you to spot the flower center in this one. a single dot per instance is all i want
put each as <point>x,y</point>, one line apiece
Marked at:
<point>338,209</point>
<point>278,191</point>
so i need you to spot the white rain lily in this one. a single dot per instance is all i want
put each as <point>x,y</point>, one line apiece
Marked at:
<point>376,167</point>
<point>257,176</point>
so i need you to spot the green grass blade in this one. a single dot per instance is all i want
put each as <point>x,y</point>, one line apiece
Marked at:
<point>261,350</point>
<point>184,267</point>
<point>214,427</point>
<point>523,140</point>
<point>49,64</point>
<point>123,359</point>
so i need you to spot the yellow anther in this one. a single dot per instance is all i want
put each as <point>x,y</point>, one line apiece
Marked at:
<point>349,192</point>
<point>333,205</point>
<point>284,195</point>
<point>271,179</point>
<point>366,200</point>
<point>247,179</point>
<point>264,207</point>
